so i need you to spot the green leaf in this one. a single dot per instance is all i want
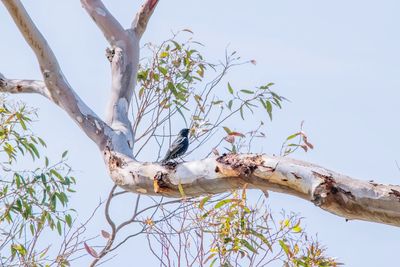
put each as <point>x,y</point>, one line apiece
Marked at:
<point>68,220</point>
<point>217,102</point>
<point>33,139</point>
<point>33,147</point>
<point>21,121</point>
<point>263,103</point>
<point>164,71</point>
<point>205,214</point>
<point>227,130</point>
<point>164,54</point>
<point>222,203</point>
<point>20,249</point>
<point>32,228</point>
<point>59,229</point>
<point>213,262</point>
<point>171,87</point>
<point>141,92</point>
<point>200,71</point>
<point>180,188</point>
<point>230,104</point>
<point>212,255</point>
<point>203,202</point>
<point>17,180</point>
<point>55,173</point>
<point>177,46</point>
<point>241,112</point>
<point>284,246</point>
<point>64,154</point>
<point>263,239</point>
<point>269,109</point>
<point>292,136</point>
<point>248,246</point>
<point>297,229</point>
<point>41,141</point>
<point>264,87</point>
<point>230,89</point>
<point>44,253</point>
<point>247,91</point>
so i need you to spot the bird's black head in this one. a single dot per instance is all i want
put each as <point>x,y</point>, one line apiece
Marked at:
<point>184,132</point>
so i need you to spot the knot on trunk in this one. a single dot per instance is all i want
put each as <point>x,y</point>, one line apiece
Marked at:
<point>161,182</point>
<point>110,52</point>
<point>329,192</point>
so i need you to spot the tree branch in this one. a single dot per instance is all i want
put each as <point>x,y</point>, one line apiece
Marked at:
<point>55,86</point>
<point>333,192</point>
<point>106,22</point>
<point>124,58</point>
<point>23,86</point>
<point>139,24</point>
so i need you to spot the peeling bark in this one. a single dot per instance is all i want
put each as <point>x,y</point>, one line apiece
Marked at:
<point>333,192</point>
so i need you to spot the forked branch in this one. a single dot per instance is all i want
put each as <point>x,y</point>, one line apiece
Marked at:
<point>142,17</point>
<point>124,58</point>
<point>55,86</point>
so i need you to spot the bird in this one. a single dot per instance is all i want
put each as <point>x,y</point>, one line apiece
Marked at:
<point>178,147</point>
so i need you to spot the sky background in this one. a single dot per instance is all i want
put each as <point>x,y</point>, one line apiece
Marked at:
<point>337,61</point>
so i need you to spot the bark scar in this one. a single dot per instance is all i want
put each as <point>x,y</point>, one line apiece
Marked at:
<point>244,165</point>
<point>161,182</point>
<point>110,52</point>
<point>329,191</point>
<point>296,175</point>
<point>395,193</point>
<point>114,162</point>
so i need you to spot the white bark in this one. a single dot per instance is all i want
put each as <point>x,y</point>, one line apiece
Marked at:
<point>24,86</point>
<point>336,193</point>
<point>124,58</point>
<point>339,194</point>
<point>55,86</point>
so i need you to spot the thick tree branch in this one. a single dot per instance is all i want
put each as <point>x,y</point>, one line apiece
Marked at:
<point>106,22</point>
<point>139,24</point>
<point>124,58</point>
<point>333,192</point>
<point>58,89</point>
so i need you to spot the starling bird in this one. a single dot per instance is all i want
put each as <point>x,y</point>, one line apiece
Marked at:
<point>179,146</point>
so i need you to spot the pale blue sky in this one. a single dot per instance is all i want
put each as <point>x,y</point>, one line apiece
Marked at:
<point>337,61</point>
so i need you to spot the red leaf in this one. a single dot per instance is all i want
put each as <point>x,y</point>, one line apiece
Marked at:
<point>105,234</point>
<point>215,151</point>
<point>305,140</point>
<point>236,134</point>
<point>230,139</point>
<point>90,250</point>
<point>304,147</point>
